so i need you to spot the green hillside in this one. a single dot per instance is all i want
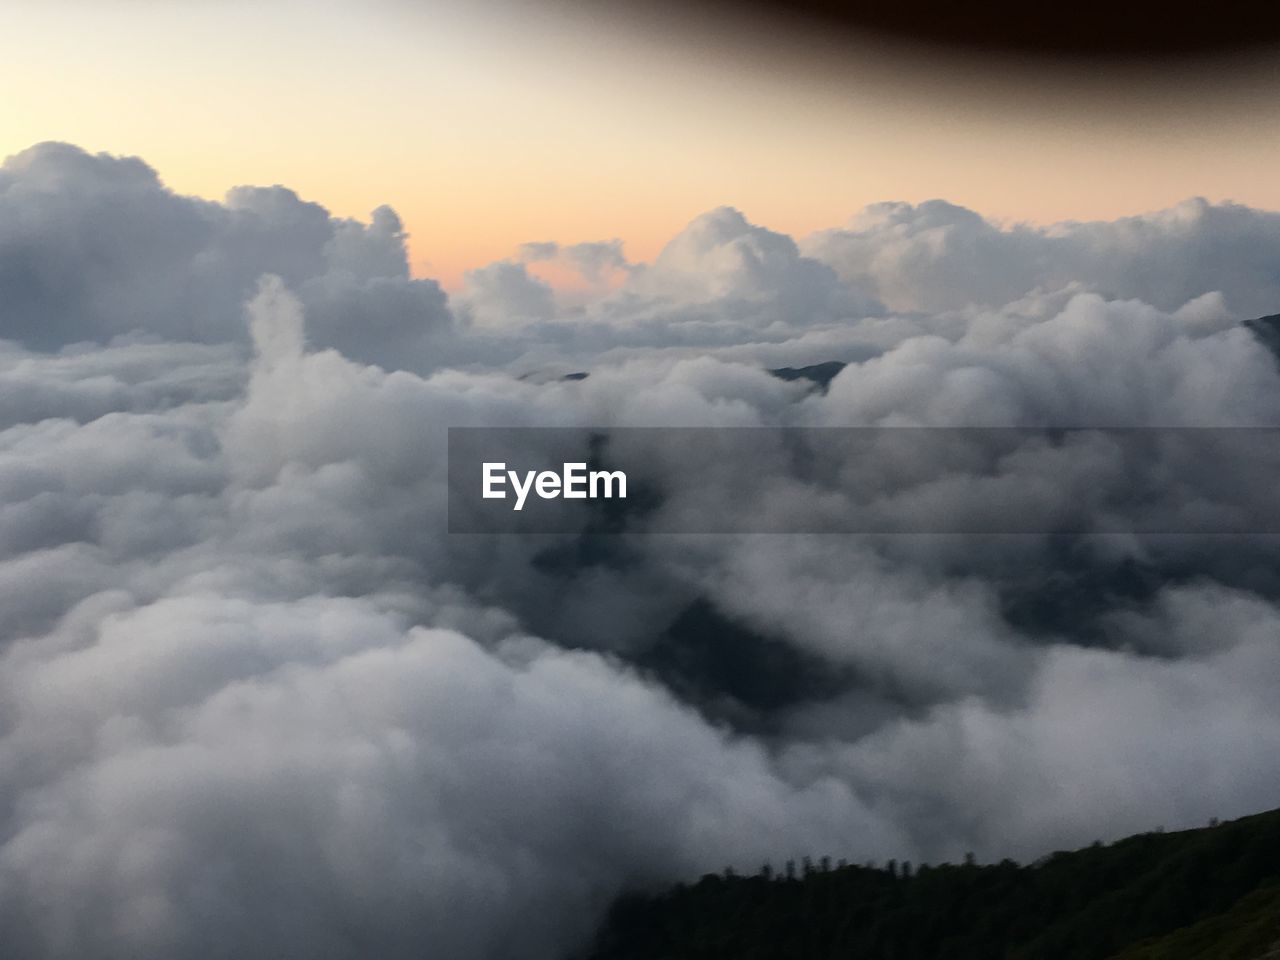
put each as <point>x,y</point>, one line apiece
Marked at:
<point>1248,931</point>
<point>1206,894</point>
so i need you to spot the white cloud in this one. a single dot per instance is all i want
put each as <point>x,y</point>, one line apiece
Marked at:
<point>938,256</point>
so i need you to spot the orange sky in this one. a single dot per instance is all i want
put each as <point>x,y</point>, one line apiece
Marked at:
<point>486,126</point>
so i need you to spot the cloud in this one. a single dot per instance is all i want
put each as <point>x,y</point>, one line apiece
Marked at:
<point>505,292</point>
<point>937,256</point>
<point>254,700</point>
<point>95,247</point>
<point>487,803</point>
<point>722,256</point>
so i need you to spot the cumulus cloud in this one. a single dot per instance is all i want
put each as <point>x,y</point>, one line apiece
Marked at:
<point>505,292</point>
<point>723,256</point>
<point>313,778</point>
<point>255,701</point>
<point>937,256</point>
<point>94,247</point>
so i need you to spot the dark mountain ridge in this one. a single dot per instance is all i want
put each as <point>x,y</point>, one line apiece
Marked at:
<point>1206,894</point>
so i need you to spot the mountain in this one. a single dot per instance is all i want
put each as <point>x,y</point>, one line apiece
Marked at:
<point>1248,931</point>
<point>1205,894</point>
<point>819,374</point>
<point>1267,329</point>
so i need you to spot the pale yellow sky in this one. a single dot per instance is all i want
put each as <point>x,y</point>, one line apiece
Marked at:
<point>486,126</point>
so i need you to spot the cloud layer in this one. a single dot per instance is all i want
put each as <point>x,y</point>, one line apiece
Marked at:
<point>255,702</point>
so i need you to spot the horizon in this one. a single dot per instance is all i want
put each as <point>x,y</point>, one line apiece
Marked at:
<point>516,121</point>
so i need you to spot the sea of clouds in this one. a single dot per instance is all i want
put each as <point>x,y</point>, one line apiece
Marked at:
<point>255,702</point>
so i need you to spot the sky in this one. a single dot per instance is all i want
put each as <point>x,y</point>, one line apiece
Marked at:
<point>490,125</point>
